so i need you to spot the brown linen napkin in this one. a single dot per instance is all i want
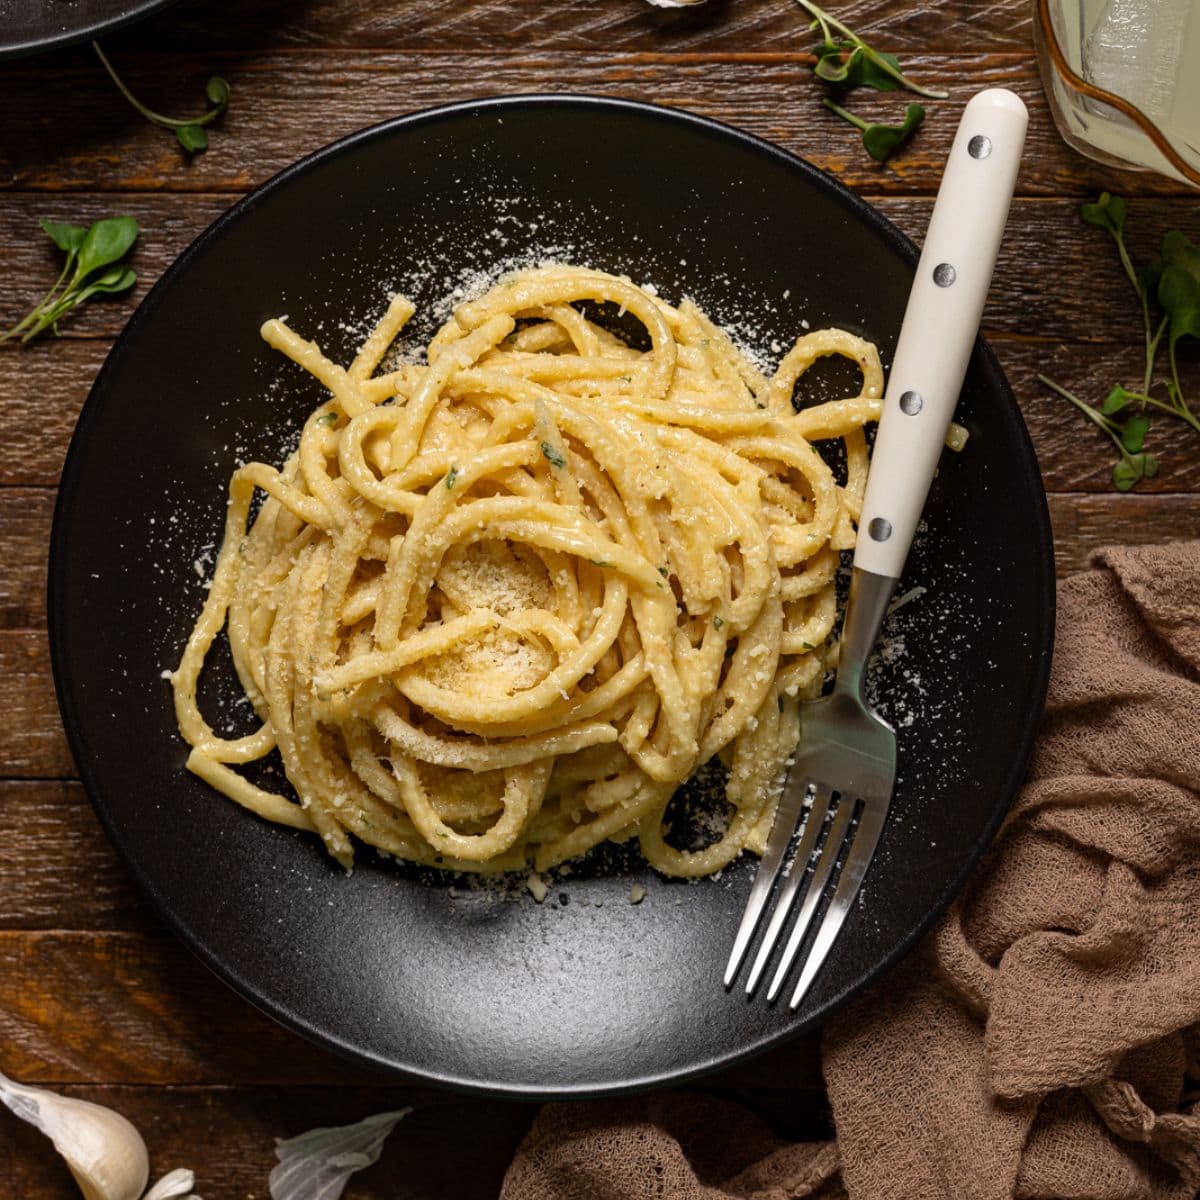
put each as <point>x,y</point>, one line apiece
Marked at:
<point>1036,1045</point>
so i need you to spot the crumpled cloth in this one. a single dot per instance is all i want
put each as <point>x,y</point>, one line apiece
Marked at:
<point>1039,1043</point>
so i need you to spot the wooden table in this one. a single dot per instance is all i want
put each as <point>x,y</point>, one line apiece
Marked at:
<point>95,997</point>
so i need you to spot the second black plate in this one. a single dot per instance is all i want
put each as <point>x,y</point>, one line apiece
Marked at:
<point>29,26</point>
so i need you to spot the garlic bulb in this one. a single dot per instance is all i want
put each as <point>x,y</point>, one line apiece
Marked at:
<point>102,1149</point>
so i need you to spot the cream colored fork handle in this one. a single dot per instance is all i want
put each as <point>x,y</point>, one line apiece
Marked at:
<point>940,325</point>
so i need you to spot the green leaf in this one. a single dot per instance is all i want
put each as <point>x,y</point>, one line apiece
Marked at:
<point>1133,432</point>
<point>1179,285</point>
<point>451,476</point>
<point>1125,474</point>
<point>1106,213</point>
<point>1149,275</point>
<point>105,242</point>
<point>865,71</point>
<point>1180,251</point>
<point>1116,400</point>
<point>119,278</point>
<point>882,141</point>
<point>1133,468</point>
<point>65,237</point>
<point>833,60</point>
<point>192,138</point>
<point>217,90</point>
<point>552,456</point>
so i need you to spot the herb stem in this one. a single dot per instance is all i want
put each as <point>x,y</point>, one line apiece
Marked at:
<point>1088,411</point>
<point>845,114</point>
<point>1152,344</point>
<point>1181,407</point>
<point>155,118</point>
<point>825,21</point>
<point>30,317</point>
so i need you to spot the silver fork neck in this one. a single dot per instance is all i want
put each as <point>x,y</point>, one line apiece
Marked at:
<point>866,608</point>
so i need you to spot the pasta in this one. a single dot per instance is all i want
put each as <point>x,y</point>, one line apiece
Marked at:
<point>499,605</point>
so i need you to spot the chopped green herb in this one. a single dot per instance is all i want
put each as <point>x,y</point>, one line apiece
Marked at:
<point>553,456</point>
<point>599,562</point>
<point>808,645</point>
<point>329,420</point>
<point>664,572</point>
<point>451,476</point>
<point>625,378</point>
<point>718,622</point>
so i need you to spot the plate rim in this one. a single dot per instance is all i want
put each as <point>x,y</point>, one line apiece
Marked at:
<point>983,360</point>
<point>82,33</point>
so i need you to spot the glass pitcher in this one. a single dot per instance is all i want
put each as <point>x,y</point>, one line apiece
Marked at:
<point>1123,80</point>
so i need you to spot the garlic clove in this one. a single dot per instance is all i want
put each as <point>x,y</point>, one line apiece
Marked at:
<point>103,1151</point>
<point>174,1183</point>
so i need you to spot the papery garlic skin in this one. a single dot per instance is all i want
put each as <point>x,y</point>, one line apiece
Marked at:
<point>101,1148</point>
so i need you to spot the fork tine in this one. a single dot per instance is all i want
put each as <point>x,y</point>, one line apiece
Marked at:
<point>822,869</point>
<point>858,858</point>
<point>791,803</point>
<point>787,897</point>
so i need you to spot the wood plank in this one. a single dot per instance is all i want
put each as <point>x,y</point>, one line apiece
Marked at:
<point>580,25</point>
<point>32,743</point>
<point>139,1008</point>
<point>154,1014</point>
<point>53,843</point>
<point>235,1152</point>
<point>70,130</point>
<point>227,1137</point>
<point>25,516</point>
<point>1046,245</point>
<point>1083,524</point>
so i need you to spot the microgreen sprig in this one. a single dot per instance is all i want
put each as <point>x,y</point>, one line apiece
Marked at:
<point>189,131</point>
<point>850,62</point>
<point>881,140</point>
<point>1129,436</point>
<point>1170,283</point>
<point>93,267</point>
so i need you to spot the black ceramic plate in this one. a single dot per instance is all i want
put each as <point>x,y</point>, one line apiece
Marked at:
<point>585,993</point>
<point>29,26</point>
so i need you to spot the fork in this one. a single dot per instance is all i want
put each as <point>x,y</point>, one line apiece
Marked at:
<point>844,769</point>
